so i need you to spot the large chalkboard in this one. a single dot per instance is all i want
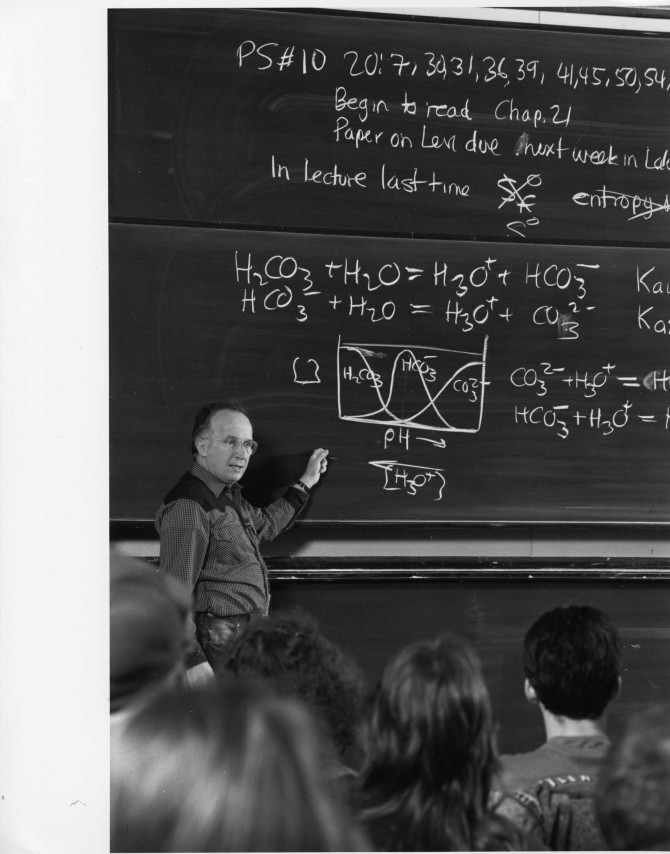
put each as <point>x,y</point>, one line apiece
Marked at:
<point>454,381</point>
<point>344,123</point>
<point>522,376</point>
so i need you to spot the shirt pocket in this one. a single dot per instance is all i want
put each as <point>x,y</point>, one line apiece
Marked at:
<point>228,528</point>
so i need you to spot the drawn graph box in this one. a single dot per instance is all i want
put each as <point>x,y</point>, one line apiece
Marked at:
<point>428,388</point>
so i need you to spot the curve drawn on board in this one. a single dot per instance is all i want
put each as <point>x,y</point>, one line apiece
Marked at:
<point>431,388</point>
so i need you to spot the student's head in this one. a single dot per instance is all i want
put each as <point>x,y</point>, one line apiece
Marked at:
<point>228,767</point>
<point>432,717</point>
<point>572,661</point>
<point>149,615</point>
<point>288,650</point>
<point>431,751</point>
<point>633,791</point>
<point>222,440</point>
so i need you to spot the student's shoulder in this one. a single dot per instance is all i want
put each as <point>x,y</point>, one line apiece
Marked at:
<point>517,770</point>
<point>522,760</point>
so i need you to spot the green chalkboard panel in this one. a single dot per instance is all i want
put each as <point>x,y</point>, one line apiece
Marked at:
<point>452,381</point>
<point>340,122</point>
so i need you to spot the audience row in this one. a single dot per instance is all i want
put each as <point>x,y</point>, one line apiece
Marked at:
<point>285,749</point>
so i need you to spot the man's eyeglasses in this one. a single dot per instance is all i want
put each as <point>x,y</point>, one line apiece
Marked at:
<point>235,444</point>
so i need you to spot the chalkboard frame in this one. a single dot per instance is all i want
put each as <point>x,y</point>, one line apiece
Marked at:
<point>517,570</point>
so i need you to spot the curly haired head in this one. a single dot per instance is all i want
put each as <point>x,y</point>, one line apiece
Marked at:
<point>289,650</point>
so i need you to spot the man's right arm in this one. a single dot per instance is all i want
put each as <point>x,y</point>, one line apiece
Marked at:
<point>184,538</point>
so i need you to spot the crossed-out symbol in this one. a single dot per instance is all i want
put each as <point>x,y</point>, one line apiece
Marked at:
<point>524,203</point>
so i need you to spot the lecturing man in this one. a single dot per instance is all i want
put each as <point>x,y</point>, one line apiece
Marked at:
<point>210,535</point>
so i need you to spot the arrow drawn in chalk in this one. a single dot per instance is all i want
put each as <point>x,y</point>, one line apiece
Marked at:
<point>442,443</point>
<point>384,464</point>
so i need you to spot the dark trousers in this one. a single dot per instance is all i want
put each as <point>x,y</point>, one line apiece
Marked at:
<point>216,634</point>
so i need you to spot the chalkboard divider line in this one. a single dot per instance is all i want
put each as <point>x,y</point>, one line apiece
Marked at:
<point>383,235</point>
<point>464,569</point>
<point>467,562</point>
<point>488,523</point>
<point>144,528</point>
<point>537,574</point>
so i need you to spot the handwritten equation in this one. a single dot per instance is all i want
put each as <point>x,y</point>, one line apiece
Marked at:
<point>468,298</point>
<point>418,392</point>
<point>563,418</point>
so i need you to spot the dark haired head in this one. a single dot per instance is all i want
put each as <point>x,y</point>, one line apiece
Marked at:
<point>633,791</point>
<point>431,753</point>
<point>228,767</point>
<point>289,650</point>
<point>204,414</point>
<point>572,659</point>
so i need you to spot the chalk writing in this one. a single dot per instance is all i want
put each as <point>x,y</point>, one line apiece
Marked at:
<point>466,297</point>
<point>411,386</point>
<point>550,380</point>
<point>640,207</point>
<point>629,77</point>
<point>525,203</point>
<point>411,479</point>
<point>440,247</point>
<point>421,392</point>
<point>651,284</point>
<point>369,116</point>
<point>490,95</point>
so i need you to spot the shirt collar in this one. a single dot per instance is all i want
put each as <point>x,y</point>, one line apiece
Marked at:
<point>212,483</point>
